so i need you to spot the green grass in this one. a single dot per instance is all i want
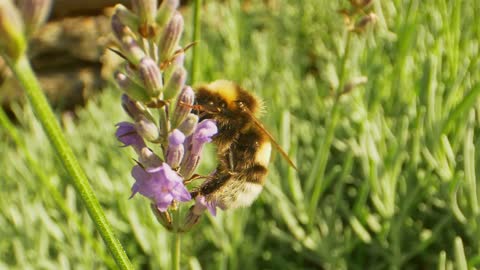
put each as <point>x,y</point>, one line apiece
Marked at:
<point>387,173</point>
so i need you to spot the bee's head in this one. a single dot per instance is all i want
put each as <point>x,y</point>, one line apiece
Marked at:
<point>224,101</point>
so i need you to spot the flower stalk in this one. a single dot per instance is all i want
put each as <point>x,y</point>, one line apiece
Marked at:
<point>167,137</point>
<point>13,47</point>
<point>24,73</point>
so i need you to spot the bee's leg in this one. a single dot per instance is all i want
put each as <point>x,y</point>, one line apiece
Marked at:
<point>213,183</point>
<point>230,160</point>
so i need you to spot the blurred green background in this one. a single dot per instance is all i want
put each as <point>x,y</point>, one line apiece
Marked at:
<point>386,173</point>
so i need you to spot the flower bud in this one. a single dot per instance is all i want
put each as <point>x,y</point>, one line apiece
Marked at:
<point>146,11</point>
<point>34,13</point>
<point>123,17</point>
<point>162,217</point>
<point>189,124</point>
<point>163,123</point>
<point>128,135</point>
<point>166,11</point>
<point>146,128</point>
<point>12,39</point>
<point>132,89</point>
<point>201,203</point>
<point>131,107</point>
<point>192,218</point>
<point>189,165</point>
<point>118,26</point>
<point>175,84</point>
<point>171,65</point>
<point>175,148</point>
<point>132,73</point>
<point>148,158</point>
<point>171,36</point>
<point>151,76</point>
<point>183,106</point>
<point>197,210</point>
<point>130,47</point>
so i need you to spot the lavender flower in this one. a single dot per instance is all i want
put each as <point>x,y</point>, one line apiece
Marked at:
<point>133,108</point>
<point>201,204</point>
<point>189,124</point>
<point>162,185</point>
<point>175,148</point>
<point>166,11</point>
<point>153,79</point>
<point>176,83</point>
<point>202,134</point>
<point>130,87</point>
<point>127,134</point>
<point>171,36</point>
<point>151,76</point>
<point>146,128</point>
<point>197,210</point>
<point>149,159</point>
<point>183,106</point>
<point>146,9</point>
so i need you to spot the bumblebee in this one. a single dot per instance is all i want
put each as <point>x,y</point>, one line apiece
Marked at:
<point>243,144</point>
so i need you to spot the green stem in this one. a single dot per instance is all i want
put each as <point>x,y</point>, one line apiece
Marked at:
<point>24,73</point>
<point>196,37</point>
<point>323,151</point>
<point>176,241</point>
<point>176,245</point>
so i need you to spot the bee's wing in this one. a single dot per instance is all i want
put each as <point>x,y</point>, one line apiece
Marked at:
<point>275,144</point>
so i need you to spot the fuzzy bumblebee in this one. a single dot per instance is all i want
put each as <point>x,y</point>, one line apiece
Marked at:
<point>243,144</point>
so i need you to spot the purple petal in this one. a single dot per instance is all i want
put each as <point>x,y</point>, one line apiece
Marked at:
<point>149,159</point>
<point>181,193</point>
<point>141,176</point>
<point>211,206</point>
<point>163,206</point>
<point>204,131</point>
<point>175,149</point>
<point>176,137</point>
<point>160,184</point>
<point>127,135</point>
<point>165,173</point>
<point>145,183</point>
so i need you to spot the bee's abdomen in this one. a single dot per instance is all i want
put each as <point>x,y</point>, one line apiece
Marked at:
<point>255,174</point>
<point>241,173</point>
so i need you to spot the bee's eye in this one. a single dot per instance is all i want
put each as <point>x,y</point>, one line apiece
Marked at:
<point>223,104</point>
<point>210,103</point>
<point>240,104</point>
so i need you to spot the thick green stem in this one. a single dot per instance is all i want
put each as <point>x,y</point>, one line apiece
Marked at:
<point>176,240</point>
<point>176,245</point>
<point>24,73</point>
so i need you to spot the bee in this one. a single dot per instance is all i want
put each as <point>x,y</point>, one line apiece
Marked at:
<point>243,144</point>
